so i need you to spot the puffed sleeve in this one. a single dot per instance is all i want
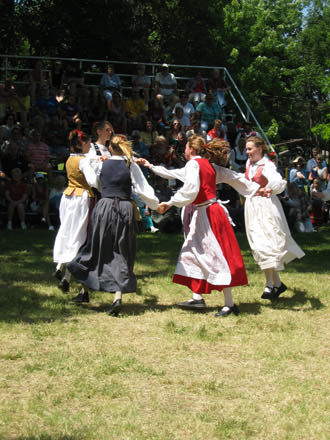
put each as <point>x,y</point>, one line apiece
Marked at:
<point>236,180</point>
<point>142,187</point>
<point>178,173</point>
<point>188,192</point>
<point>89,172</point>
<point>275,181</point>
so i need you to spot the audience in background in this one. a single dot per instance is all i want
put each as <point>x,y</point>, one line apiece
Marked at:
<point>36,119</point>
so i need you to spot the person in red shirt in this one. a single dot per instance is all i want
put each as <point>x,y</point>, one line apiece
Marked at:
<point>16,194</point>
<point>217,131</point>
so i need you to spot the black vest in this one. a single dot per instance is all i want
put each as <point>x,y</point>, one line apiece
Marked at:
<point>116,179</point>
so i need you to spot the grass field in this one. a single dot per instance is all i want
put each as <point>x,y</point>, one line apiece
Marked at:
<point>157,372</point>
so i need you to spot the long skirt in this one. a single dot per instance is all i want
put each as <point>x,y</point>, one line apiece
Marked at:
<point>74,215</point>
<point>210,258</point>
<point>106,261</point>
<point>268,233</point>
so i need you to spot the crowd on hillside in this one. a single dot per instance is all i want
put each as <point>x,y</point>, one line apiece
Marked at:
<point>154,114</point>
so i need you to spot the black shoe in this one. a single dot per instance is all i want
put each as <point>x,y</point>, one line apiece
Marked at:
<point>268,295</point>
<point>82,297</point>
<point>64,285</point>
<point>226,310</point>
<point>58,274</point>
<point>193,304</point>
<point>279,290</point>
<point>115,308</point>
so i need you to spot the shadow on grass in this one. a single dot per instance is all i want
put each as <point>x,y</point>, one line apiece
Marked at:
<point>300,298</point>
<point>22,304</point>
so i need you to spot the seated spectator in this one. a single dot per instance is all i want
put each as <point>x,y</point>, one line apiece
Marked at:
<point>311,163</point>
<point>145,213</point>
<point>217,86</point>
<point>297,173</point>
<point>40,199</point>
<point>208,112</point>
<point>176,128</point>
<point>188,108</point>
<point>16,193</point>
<point>247,131</point>
<point>319,208</point>
<point>196,88</point>
<point>21,104</point>
<point>196,129</point>
<point>165,85</point>
<point>171,220</point>
<point>141,149</point>
<point>110,83</point>
<point>183,120</point>
<point>180,146</point>
<point>9,122</point>
<point>37,77</point>
<point>320,171</point>
<point>95,108</point>
<point>135,111</point>
<point>149,134</point>
<point>38,153</point>
<point>56,192</point>
<point>159,151</point>
<point>14,158</point>
<point>156,114</point>
<point>117,114</point>
<point>238,156</point>
<point>231,131</point>
<point>71,112</point>
<point>142,82</point>
<point>218,131</point>
<point>55,135</point>
<point>44,107</point>
<point>299,208</point>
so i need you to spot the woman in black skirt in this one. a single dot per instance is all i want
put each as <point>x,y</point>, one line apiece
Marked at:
<point>106,261</point>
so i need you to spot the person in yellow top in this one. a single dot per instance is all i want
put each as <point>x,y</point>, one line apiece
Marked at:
<point>135,111</point>
<point>75,207</point>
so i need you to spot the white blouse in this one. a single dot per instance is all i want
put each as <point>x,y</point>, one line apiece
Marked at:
<point>275,181</point>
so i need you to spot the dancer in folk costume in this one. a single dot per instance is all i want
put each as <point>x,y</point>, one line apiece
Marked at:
<point>75,207</point>
<point>106,260</point>
<point>266,227</point>
<point>210,258</point>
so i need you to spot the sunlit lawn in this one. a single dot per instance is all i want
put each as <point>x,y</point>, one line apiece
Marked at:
<point>158,372</point>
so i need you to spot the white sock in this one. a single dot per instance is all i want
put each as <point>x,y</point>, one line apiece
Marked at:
<point>228,297</point>
<point>269,277</point>
<point>118,295</point>
<point>59,266</point>
<point>197,296</point>
<point>276,278</point>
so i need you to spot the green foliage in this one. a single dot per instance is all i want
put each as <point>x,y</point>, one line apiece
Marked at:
<point>277,51</point>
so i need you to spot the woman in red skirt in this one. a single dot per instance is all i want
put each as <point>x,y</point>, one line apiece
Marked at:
<point>210,258</point>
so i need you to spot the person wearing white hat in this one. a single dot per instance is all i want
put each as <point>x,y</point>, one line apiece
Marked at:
<point>166,85</point>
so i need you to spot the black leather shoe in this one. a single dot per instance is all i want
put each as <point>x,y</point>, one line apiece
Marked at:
<point>58,274</point>
<point>193,304</point>
<point>64,285</point>
<point>82,297</point>
<point>268,295</point>
<point>279,290</point>
<point>226,310</point>
<point>115,308</point>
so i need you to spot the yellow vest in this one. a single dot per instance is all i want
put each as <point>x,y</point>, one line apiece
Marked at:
<point>77,182</point>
